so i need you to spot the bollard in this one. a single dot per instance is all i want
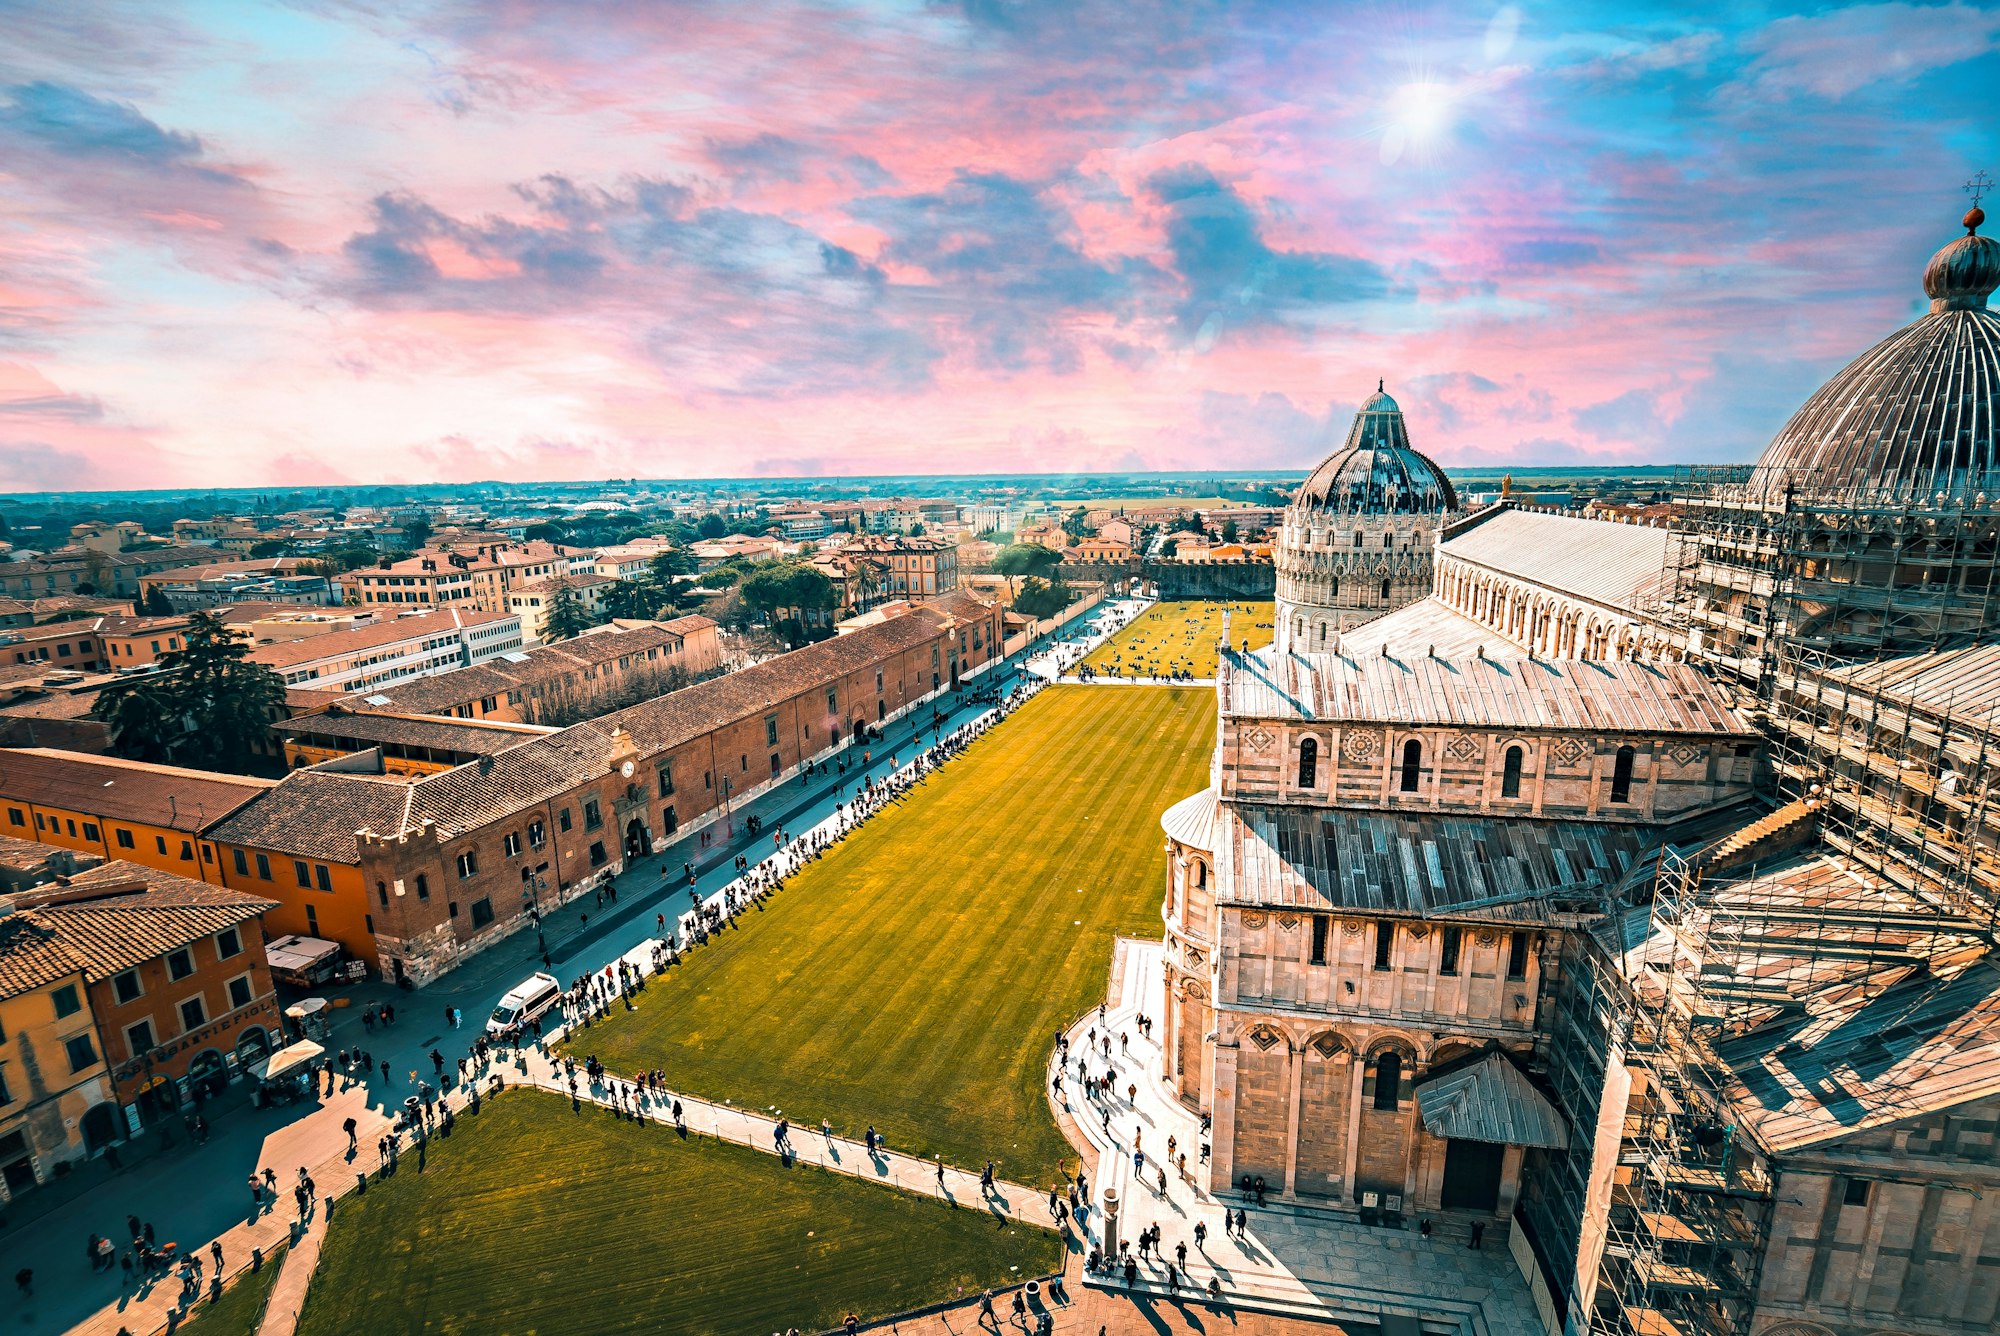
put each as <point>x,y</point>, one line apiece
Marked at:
<point>1110,1198</point>
<point>360,1183</point>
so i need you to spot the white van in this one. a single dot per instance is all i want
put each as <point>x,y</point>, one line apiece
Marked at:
<point>524,1001</point>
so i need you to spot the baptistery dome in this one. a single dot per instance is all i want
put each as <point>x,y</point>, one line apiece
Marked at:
<point>1357,539</point>
<point>1913,417</point>
<point>1376,471</point>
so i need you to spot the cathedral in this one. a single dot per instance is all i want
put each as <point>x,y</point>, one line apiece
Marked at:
<point>1626,892</point>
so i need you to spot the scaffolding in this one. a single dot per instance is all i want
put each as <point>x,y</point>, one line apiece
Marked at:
<point>1851,622</point>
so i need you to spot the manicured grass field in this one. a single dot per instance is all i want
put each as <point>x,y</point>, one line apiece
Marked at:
<point>534,1219</point>
<point>1180,635</point>
<point>240,1310</point>
<point>915,977</point>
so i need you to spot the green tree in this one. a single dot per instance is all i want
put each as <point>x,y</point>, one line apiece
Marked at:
<point>417,530</point>
<point>1018,559</point>
<point>270,547</point>
<point>155,604</point>
<point>1169,547</point>
<point>209,704</point>
<point>566,616</point>
<point>1040,598</point>
<point>790,586</point>
<point>546,531</point>
<point>670,565</point>
<point>1073,523</point>
<point>711,526</point>
<point>917,529</point>
<point>1229,531</point>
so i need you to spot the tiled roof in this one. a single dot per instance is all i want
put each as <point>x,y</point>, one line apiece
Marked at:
<point>513,780</point>
<point>120,790</point>
<point>1490,1100</point>
<point>1964,683</point>
<point>442,692</point>
<point>315,814</point>
<point>32,955</point>
<point>1411,687</point>
<point>474,737</point>
<point>549,584</point>
<point>1617,565</point>
<point>372,635</point>
<point>1422,865</point>
<point>114,931</point>
<point>1421,628</point>
<point>669,720</point>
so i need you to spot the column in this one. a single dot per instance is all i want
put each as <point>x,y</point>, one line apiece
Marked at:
<point>1510,1180</point>
<point>1222,1156</point>
<point>1357,1065</point>
<point>1297,1064</point>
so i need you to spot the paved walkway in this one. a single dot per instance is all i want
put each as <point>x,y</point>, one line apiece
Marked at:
<point>1298,1262</point>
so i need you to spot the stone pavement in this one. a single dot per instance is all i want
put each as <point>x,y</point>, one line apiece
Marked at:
<point>1294,1261</point>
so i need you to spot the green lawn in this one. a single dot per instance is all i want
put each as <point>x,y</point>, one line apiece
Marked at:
<point>240,1310</point>
<point>534,1219</point>
<point>1183,634</point>
<point>916,975</point>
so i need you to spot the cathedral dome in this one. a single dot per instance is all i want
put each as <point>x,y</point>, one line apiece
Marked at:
<point>1913,416</point>
<point>1376,471</point>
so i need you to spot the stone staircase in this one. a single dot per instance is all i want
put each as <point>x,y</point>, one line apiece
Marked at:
<point>1773,833</point>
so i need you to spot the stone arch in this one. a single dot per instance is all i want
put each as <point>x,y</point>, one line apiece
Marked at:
<point>1326,1045</point>
<point>1451,1050</point>
<point>1193,990</point>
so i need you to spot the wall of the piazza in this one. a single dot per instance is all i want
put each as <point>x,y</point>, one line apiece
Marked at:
<point>1556,773</point>
<point>1316,1011</point>
<point>1337,571</point>
<point>534,858</point>
<point>1548,622</point>
<point>1888,1230</point>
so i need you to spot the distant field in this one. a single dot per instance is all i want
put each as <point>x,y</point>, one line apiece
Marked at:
<point>534,1219</point>
<point>915,976</point>
<point>1177,635</point>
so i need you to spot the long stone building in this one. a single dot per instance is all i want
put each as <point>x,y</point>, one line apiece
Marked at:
<point>1632,896</point>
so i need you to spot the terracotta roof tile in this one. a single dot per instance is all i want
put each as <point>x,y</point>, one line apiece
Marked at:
<point>111,931</point>
<point>120,790</point>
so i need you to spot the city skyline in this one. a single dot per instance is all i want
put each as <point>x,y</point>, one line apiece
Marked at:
<point>259,245</point>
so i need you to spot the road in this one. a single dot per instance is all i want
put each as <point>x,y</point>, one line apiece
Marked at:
<point>193,1193</point>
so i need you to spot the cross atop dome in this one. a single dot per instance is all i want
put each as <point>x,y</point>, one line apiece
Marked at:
<point>1977,188</point>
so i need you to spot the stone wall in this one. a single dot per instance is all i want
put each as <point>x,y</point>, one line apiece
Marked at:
<point>1211,579</point>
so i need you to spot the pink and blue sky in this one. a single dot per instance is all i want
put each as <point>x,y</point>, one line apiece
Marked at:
<point>338,241</point>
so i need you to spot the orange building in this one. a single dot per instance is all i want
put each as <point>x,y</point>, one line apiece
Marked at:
<point>147,814</point>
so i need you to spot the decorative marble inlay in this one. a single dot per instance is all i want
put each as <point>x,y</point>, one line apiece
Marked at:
<point>1420,930</point>
<point>1486,937</point>
<point>1259,737</point>
<point>1265,1037</point>
<point>1569,751</point>
<point>1327,1044</point>
<point>1361,745</point>
<point>1350,927</point>
<point>1462,748</point>
<point>1289,922</point>
<point>1253,920</point>
<point>1685,753</point>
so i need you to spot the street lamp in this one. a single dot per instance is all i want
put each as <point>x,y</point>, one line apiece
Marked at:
<point>729,820</point>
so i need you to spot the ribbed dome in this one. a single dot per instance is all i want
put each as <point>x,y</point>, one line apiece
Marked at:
<point>1376,471</point>
<point>1914,415</point>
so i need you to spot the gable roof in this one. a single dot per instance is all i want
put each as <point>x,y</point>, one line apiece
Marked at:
<point>120,914</point>
<point>1493,1101</point>
<point>121,790</point>
<point>1615,565</point>
<point>315,814</point>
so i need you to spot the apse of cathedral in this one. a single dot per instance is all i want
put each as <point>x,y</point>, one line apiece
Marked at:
<point>1626,892</point>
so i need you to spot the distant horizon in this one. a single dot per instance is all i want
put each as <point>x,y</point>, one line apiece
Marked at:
<point>276,245</point>
<point>1193,477</point>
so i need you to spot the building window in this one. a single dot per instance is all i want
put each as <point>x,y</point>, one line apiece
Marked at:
<point>312,921</point>
<point>1385,591</point>
<point>187,852</point>
<point>537,836</point>
<point>1855,1193</point>
<point>510,844</point>
<point>1517,955</point>
<point>180,963</point>
<point>66,1000</point>
<point>382,895</point>
<point>139,1038</point>
<point>1308,763</point>
<point>592,816</point>
<point>15,817</point>
<point>666,780</point>
<point>322,876</point>
<point>127,987</point>
<point>82,1053</point>
<point>193,1014</point>
<point>160,843</point>
<point>1320,922</point>
<point>1451,940</point>
<point>482,913</point>
<point>776,765</point>
<point>302,873</point>
<point>597,857</point>
<point>1621,776</point>
<point>468,865</point>
<point>239,991</point>
<point>1388,1081</point>
<point>1385,943</point>
<point>263,868</point>
<point>228,943</point>
<point>832,701</point>
<point>423,887</point>
<point>1510,774</point>
<point>90,831</point>
<point>242,863</point>
<point>1413,762</point>
<point>770,730</point>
